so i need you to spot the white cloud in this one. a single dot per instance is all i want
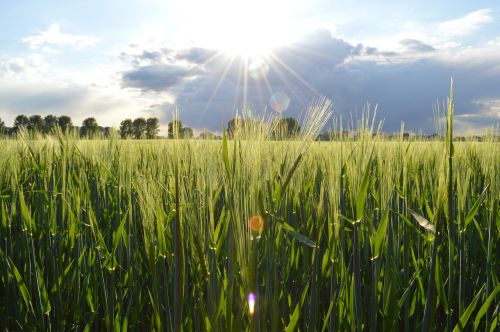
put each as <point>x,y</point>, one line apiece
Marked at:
<point>494,42</point>
<point>489,107</point>
<point>27,68</point>
<point>446,37</point>
<point>466,25</point>
<point>53,36</point>
<point>485,119</point>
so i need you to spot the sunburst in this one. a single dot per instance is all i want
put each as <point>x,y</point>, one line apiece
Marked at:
<point>249,37</point>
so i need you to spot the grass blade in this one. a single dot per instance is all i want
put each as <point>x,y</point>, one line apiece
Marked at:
<point>465,316</point>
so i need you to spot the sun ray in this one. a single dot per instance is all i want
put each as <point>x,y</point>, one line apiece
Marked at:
<point>295,74</point>
<point>245,83</point>
<point>217,87</point>
<point>241,72</point>
<point>268,85</point>
<point>299,95</point>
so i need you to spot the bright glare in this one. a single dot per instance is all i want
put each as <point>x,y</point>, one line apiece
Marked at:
<point>258,69</point>
<point>248,28</point>
<point>251,303</point>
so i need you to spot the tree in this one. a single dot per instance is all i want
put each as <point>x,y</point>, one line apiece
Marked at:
<point>140,126</point>
<point>50,122</point>
<point>247,128</point>
<point>186,133</point>
<point>232,125</point>
<point>65,123</point>
<point>206,135</point>
<point>326,136</point>
<point>126,128</point>
<point>152,128</point>
<point>292,126</point>
<point>286,128</point>
<point>21,121</point>
<point>107,132</point>
<point>89,128</point>
<point>2,127</point>
<point>174,128</point>
<point>36,123</point>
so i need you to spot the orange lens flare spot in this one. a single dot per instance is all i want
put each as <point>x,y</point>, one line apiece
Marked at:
<point>256,223</point>
<point>279,102</point>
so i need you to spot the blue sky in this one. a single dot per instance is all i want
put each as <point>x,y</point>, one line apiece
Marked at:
<point>119,59</point>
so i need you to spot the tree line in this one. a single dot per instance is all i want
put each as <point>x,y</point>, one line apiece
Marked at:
<point>36,124</point>
<point>142,128</point>
<point>279,129</point>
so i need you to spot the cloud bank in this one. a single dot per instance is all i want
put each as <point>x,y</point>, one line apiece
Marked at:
<point>405,75</point>
<point>405,83</point>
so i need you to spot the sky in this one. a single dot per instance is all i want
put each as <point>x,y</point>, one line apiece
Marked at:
<point>211,59</point>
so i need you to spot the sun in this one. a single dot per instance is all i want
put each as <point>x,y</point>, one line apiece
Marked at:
<point>247,41</point>
<point>249,28</point>
<point>250,40</point>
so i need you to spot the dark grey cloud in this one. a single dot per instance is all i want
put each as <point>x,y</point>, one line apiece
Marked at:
<point>161,56</point>
<point>197,55</point>
<point>362,50</point>
<point>153,56</point>
<point>404,84</point>
<point>155,77</point>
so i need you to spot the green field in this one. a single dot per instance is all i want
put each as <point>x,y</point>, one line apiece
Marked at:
<point>362,235</point>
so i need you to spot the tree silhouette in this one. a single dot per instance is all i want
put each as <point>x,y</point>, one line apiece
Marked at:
<point>245,127</point>
<point>126,128</point>
<point>232,125</point>
<point>50,122</point>
<point>36,123</point>
<point>292,126</point>
<point>89,128</point>
<point>21,121</point>
<point>140,126</point>
<point>2,127</point>
<point>206,135</point>
<point>174,128</point>
<point>107,131</point>
<point>65,123</point>
<point>186,133</point>
<point>285,128</point>
<point>152,128</point>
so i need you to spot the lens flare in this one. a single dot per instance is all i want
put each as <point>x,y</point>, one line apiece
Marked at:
<point>251,303</point>
<point>258,69</point>
<point>256,223</point>
<point>279,101</point>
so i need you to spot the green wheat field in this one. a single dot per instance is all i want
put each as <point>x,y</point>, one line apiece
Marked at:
<point>247,233</point>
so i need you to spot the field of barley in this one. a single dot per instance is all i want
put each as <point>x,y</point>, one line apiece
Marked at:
<point>249,234</point>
